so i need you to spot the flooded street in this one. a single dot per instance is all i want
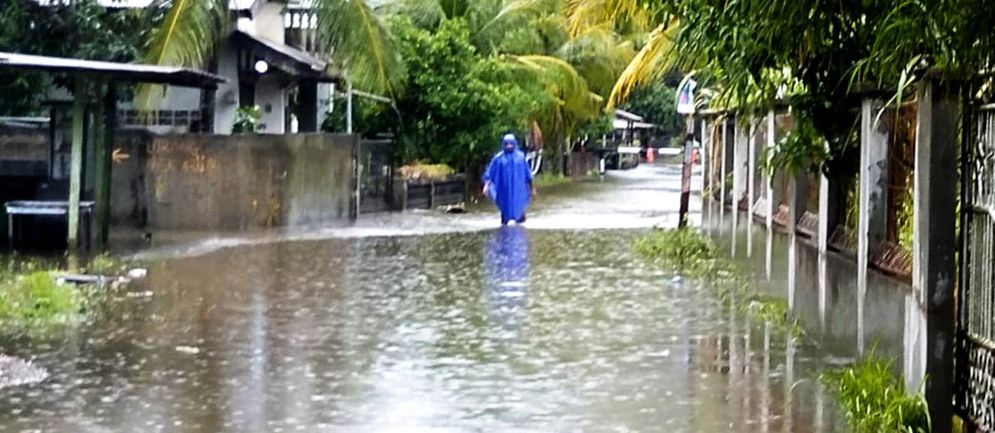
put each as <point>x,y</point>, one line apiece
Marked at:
<point>425,322</point>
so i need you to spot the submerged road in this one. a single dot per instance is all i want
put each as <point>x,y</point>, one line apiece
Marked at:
<point>425,322</point>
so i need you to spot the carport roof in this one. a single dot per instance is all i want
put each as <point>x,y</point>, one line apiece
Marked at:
<point>134,72</point>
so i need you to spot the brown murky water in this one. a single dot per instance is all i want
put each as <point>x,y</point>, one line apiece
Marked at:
<point>496,330</point>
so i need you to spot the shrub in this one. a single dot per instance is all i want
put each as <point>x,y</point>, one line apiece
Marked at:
<point>874,401</point>
<point>550,180</point>
<point>37,299</point>
<point>105,264</point>
<point>683,250</point>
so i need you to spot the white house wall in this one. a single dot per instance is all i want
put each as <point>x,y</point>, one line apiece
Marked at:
<point>271,98</point>
<point>226,98</point>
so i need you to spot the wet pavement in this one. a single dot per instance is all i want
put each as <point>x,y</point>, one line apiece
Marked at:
<point>425,322</point>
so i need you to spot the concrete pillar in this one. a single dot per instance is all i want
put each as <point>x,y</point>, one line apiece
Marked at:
<point>769,183</point>
<point>105,122</point>
<point>797,205</point>
<point>707,135</point>
<point>76,161</point>
<point>935,244</point>
<point>873,199</point>
<point>738,177</point>
<point>788,420</point>
<point>823,246</point>
<point>751,183</point>
<point>723,165</point>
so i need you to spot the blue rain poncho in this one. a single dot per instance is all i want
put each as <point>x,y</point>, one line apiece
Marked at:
<point>510,180</point>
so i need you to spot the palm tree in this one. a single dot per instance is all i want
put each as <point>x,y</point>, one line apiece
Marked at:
<point>357,40</point>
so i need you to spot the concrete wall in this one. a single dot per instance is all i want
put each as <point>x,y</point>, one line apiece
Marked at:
<point>215,182</point>
<point>582,163</point>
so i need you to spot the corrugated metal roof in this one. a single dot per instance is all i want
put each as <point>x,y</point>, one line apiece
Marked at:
<point>120,71</point>
<point>628,116</point>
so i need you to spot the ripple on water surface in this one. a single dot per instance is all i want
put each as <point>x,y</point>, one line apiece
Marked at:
<point>498,330</point>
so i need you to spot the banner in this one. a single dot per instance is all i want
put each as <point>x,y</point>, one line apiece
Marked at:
<point>685,96</point>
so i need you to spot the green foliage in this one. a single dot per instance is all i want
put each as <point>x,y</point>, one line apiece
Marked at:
<point>363,45</point>
<point>35,299</point>
<point>458,102</point>
<point>682,250</point>
<point>105,264</point>
<point>595,128</point>
<point>775,312</point>
<point>802,149</point>
<point>246,120</point>
<point>546,180</point>
<point>874,400</point>
<point>657,104</point>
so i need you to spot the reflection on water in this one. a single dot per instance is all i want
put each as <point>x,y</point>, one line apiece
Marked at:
<point>507,330</point>
<point>403,323</point>
<point>506,262</point>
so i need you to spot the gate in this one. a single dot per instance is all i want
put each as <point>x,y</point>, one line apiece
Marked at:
<point>375,175</point>
<point>974,381</point>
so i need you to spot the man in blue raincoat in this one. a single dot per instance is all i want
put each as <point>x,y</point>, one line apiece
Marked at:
<point>508,181</point>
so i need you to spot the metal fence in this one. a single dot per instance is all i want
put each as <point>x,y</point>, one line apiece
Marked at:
<point>975,348</point>
<point>375,175</point>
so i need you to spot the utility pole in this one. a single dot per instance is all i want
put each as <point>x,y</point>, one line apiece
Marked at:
<point>686,172</point>
<point>685,105</point>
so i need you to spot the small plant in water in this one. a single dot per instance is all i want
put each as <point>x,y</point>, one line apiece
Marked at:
<point>37,299</point>
<point>683,250</point>
<point>551,180</point>
<point>874,400</point>
<point>105,264</point>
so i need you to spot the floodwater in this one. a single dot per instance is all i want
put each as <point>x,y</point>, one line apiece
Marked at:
<point>428,323</point>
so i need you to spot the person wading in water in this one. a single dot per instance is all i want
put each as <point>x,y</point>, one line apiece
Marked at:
<point>508,181</point>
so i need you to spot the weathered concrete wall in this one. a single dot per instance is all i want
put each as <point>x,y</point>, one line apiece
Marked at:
<point>883,306</point>
<point>582,163</point>
<point>214,182</point>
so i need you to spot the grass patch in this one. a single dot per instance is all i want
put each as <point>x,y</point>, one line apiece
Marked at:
<point>36,299</point>
<point>105,264</point>
<point>544,180</point>
<point>874,400</point>
<point>693,255</point>
<point>682,250</point>
<point>31,297</point>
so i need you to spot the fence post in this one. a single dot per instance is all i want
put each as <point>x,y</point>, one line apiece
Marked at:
<point>873,200</point>
<point>739,169</point>
<point>704,170</point>
<point>751,180</point>
<point>769,181</point>
<point>723,165</point>
<point>935,245</point>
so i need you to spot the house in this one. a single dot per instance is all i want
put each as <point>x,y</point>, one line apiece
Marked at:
<point>268,57</point>
<point>630,128</point>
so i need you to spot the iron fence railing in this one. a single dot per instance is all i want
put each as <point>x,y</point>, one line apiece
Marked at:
<point>975,348</point>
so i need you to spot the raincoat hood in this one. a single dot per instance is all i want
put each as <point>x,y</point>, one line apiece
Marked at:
<point>510,138</point>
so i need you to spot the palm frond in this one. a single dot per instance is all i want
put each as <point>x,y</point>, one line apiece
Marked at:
<point>599,56</point>
<point>188,37</point>
<point>653,60</point>
<point>361,43</point>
